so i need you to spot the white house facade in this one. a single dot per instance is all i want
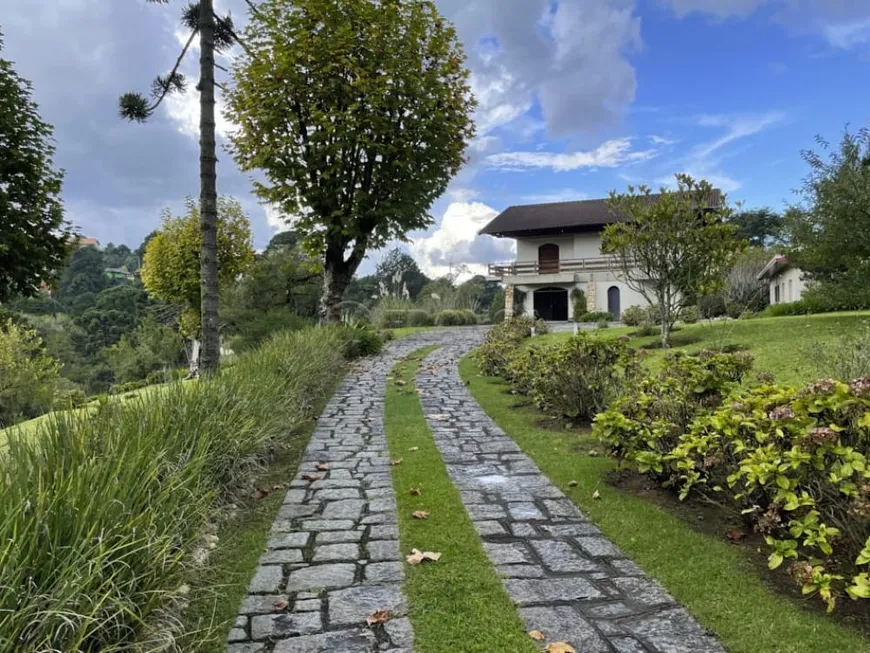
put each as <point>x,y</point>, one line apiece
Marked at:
<point>558,251</point>
<point>785,281</point>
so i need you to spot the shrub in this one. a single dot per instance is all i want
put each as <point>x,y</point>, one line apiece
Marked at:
<point>646,330</point>
<point>644,425</point>
<point>249,328</point>
<point>70,398</point>
<point>603,324</point>
<point>635,316</point>
<point>360,340</point>
<point>581,376</point>
<point>503,340</point>
<point>846,358</point>
<point>392,319</point>
<point>690,315</point>
<point>578,304</point>
<point>105,509</point>
<point>419,318</point>
<point>711,306</point>
<point>469,317</point>
<point>596,317</point>
<point>794,462</point>
<point>28,377</point>
<point>449,318</point>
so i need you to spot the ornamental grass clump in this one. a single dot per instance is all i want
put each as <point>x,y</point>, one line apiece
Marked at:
<point>100,512</point>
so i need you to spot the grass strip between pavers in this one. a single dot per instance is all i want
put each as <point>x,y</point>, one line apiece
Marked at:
<point>710,577</point>
<point>459,603</point>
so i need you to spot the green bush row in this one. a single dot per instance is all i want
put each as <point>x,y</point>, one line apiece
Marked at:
<point>503,340</point>
<point>455,318</point>
<point>597,316</point>
<point>100,513</point>
<point>398,318</point>
<point>792,462</point>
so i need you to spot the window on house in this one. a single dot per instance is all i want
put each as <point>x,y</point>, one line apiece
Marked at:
<point>790,296</point>
<point>776,294</point>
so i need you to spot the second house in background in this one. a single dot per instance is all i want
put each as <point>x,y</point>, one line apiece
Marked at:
<point>558,252</point>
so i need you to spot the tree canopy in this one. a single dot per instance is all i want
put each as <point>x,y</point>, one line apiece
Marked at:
<point>830,230</point>
<point>171,269</point>
<point>358,112</point>
<point>759,227</point>
<point>34,237</point>
<point>672,248</point>
<point>398,271</point>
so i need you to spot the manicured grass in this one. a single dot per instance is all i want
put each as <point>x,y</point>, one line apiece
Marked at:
<point>458,603</point>
<point>404,332</point>
<point>217,589</point>
<point>781,345</point>
<point>711,577</point>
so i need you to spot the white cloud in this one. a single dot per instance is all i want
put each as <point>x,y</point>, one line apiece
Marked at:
<point>723,182</point>
<point>718,8</point>
<point>456,241</point>
<point>736,127</point>
<point>848,35</point>
<point>610,154</point>
<point>560,195</point>
<point>661,140</point>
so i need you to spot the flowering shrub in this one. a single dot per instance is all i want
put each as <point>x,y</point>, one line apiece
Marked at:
<point>644,425</point>
<point>503,340</point>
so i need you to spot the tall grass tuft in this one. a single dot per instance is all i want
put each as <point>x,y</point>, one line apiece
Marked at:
<point>99,512</point>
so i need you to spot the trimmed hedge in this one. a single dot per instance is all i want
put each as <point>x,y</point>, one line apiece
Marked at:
<point>455,318</point>
<point>597,316</point>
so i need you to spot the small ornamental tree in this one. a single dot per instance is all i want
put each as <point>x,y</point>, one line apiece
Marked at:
<point>672,247</point>
<point>358,112</point>
<point>34,238</point>
<point>171,269</point>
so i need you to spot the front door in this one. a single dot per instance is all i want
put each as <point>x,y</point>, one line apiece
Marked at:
<point>551,304</point>
<point>613,306</point>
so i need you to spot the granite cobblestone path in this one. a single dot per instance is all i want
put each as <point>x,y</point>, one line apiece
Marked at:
<point>566,578</point>
<point>333,557</point>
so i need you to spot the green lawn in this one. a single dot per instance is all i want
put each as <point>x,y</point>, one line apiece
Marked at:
<point>404,332</point>
<point>781,345</point>
<point>714,579</point>
<point>458,603</point>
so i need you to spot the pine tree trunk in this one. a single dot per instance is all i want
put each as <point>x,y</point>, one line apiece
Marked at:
<point>210,352</point>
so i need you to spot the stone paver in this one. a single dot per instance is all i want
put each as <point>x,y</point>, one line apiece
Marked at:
<point>333,557</point>
<point>567,579</point>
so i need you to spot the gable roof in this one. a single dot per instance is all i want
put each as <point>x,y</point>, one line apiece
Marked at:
<point>776,265</point>
<point>561,217</point>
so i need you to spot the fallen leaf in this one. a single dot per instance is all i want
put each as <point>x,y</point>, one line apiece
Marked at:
<point>596,494</point>
<point>415,492</point>
<point>593,453</point>
<point>260,493</point>
<point>537,635</point>
<point>560,647</point>
<point>573,484</point>
<point>280,604</point>
<point>735,535</point>
<point>414,449</point>
<point>418,556</point>
<point>395,461</point>
<point>420,514</point>
<point>400,382</point>
<point>280,486</point>
<point>419,392</point>
<point>379,617</point>
<point>310,477</point>
<point>323,467</point>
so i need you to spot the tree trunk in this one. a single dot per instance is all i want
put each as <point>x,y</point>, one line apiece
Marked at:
<point>665,313</point>
<point>210,354</point>
<point>335,280</point>
<point>193,360</point>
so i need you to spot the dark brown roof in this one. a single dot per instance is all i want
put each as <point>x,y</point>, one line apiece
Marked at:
<point>559,217</point>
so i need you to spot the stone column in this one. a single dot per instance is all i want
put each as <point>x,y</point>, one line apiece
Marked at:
<point>508,302</point>
<point>590,296</point>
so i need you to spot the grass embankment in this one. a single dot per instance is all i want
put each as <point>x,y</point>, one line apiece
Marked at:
<point>458,603</point>
<point>100,512</point>
<point>784,346</point>
<point>712,578</point>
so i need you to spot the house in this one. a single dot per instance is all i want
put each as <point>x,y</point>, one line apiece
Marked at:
<point>785,281</point>
<point>558,251</point>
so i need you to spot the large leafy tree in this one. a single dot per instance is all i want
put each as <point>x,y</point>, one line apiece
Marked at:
<point>830,230</point>
<point>673,247</point>
<point>34,237</point>
<point>358,112</point>
<point>759,227</point>
<point>171,269</point>
<point>215,33</point>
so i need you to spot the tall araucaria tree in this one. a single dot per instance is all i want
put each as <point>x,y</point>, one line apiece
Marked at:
<point>672,247</point>
<point>216,34</point>
<point>358,112</point>
<point>34,238</point>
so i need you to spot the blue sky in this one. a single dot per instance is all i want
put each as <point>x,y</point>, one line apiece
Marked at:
<point>577,97</point>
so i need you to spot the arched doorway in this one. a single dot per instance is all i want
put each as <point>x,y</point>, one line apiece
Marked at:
<point>548,259</point>
<point>613,306</point>
<point>551,304</point>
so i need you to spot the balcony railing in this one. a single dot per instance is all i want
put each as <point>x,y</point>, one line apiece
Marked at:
<point>531,268</point>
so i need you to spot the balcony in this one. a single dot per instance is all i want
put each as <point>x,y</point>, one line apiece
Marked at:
<point>498,271</point>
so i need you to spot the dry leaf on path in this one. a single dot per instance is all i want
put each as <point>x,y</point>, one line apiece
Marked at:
<point>537,635</point>
<point>395,461</point>
<point>400,382</point>
<point>418,556</point>
<point>420,514</point>
<point>415,492</point>
<point>573,484</point>
<point>379,617</point>
<point>560,647</point>
<point>735,535</point>
<point>280,604</point>
<point>310,477</point>
<point>323,467</point>
<point>596,494</point>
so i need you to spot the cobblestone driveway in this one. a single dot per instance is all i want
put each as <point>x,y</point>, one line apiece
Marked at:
<point>334,558</point>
